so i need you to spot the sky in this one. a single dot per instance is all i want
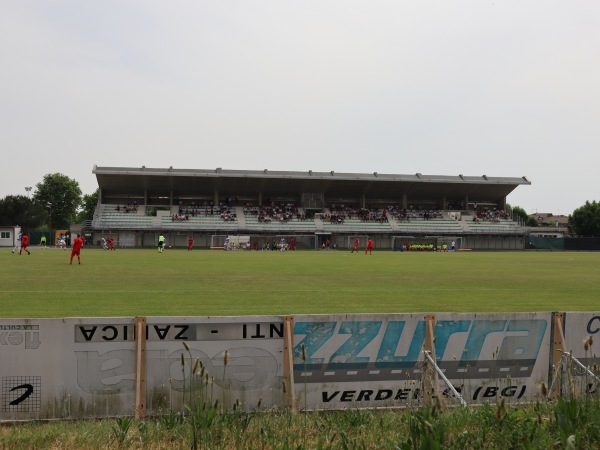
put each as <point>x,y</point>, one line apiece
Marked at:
<point>505,88</point>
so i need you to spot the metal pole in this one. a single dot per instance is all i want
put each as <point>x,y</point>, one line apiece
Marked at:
<point>441,374</point>
<point>588,371</point>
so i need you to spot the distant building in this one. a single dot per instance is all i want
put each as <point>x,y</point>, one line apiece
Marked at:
<point>550,225</point>
<point>8,236</point>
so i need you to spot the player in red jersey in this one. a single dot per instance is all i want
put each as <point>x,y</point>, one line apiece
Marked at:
<point>24,244</point>
<point>111,243</point>
<point>369,248</point>
<point>293,244</point>
<point>77,244</point>
<point>356,245</point>
<point>190,243</point>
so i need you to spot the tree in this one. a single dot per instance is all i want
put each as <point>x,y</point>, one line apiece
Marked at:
<point>88,205</point>
<point>585,220</point>
<point>61,195</point>
<point>520,213</point>
<point>22,211</point>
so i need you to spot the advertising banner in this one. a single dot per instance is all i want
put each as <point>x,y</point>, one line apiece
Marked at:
<point>77,368</point>
<point>345,361</point>
<point>251,373</point>
<point>582,340</point>
<point>66,368</point>
<point>99,367</point>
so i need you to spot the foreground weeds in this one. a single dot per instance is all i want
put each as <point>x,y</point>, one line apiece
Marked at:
<point>561,424</point>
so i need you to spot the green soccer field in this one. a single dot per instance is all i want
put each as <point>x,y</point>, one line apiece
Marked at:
<point>209,283</point>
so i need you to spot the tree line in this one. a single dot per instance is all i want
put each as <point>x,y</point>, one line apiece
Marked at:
<point>56,203</point>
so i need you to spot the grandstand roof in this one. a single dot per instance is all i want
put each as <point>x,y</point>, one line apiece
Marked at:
<point>156,181</point>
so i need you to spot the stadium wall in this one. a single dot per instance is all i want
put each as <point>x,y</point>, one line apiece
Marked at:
<point>102,367</point>
<point>582,244</point>
<point>493,243</point>
<point>342,241</point>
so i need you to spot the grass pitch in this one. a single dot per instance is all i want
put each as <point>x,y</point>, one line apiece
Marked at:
<point>210,283</point>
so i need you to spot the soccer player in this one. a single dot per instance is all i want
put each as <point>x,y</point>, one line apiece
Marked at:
<point>62,241</point>
<point>24,243</point>
<point>77,244</point>
<point>18,243</point>
<point>369,248</point>
<point>111,243</point>
<point>190,243</point>
<point>161,243</point>
<point>356,245</point>
<point>43,241</point>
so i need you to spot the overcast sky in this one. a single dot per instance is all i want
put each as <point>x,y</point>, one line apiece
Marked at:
<point>502,88</point>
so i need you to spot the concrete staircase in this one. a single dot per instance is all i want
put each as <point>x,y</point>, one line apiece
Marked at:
<point>241,218</point>
<point>318,225</point>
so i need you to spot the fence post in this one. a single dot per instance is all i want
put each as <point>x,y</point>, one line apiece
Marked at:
<point>288,362</point>
<point>558,347</point>
<point>430,378</point>
<point>140,367</point>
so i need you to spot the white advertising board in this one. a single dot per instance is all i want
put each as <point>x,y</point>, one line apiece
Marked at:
<point>76,368</point>
<point>65,368</point>
<point>254,370</point>
<point>375,360</point>
<point>579,327</point>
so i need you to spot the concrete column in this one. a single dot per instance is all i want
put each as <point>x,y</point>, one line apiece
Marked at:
<point>404,201</point>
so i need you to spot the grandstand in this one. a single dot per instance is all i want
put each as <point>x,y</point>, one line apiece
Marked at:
<point>136,204</point>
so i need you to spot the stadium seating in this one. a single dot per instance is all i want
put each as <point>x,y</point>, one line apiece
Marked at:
<point>107,217</point>
<point>502,226</point>
<point>432,226</point>
<point>356,226</point>
<point>242,219</point>
<point>292,225</point>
